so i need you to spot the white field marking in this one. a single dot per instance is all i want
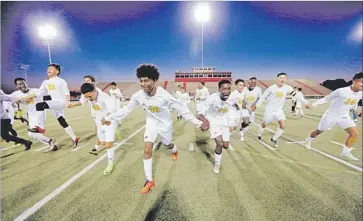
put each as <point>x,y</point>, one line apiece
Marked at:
<point>339,144</point>
<point>42,148</point>
<point>81,146</point>
<point>3,149</point>
<point>30,211</point>
<point>68,120</point>
<point>266,145</point>
<point>326,154</point>
<point>127,143</point>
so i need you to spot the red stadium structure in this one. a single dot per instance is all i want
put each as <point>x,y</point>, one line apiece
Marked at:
<point>206,74</point>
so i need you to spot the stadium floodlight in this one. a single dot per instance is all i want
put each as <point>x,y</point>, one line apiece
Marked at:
<point>202,14</point>
<point>47,32</point>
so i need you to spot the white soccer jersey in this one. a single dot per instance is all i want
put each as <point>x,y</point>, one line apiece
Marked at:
<point>237,97</point>
<point>115,93</point>
<point>102,106</point>
<point>276,97</point>
<point>177,94</point>
<point>57,88</point>
<point>201,94</point>
<point>157,109</point>
<point>217,111</point>
<point>184,98</point>
<point>83,99</point>
<point>341,101</point>
<point>30,104</point>
<point>251,96</point>
<point>298,103</point>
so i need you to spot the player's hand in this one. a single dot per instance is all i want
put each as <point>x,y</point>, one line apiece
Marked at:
<point>105,122</point>
<point>205,125</point>
<point>70,105</point>
<point>236,106</point>
<point>232,128</point>
<point>253,107</point>
<point>308,106</point>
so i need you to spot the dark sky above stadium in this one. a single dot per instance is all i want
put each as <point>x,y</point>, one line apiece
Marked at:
<point>316,40</point>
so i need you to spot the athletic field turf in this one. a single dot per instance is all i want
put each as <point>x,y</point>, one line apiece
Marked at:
<point>254,183</point>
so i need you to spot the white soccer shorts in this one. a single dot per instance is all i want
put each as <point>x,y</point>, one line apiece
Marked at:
<point>106,133</point>
<point>57,106</point>
<point>152,132</point>
<point>274,116</point>
<point>327,122</point>
<point>219,129</point>
<point>36,120</point>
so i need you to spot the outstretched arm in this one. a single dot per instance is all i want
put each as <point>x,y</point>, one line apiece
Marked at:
<point>263,97</point>
<point>183,111</point>
<point>326,99</point>
<point>123,112</point>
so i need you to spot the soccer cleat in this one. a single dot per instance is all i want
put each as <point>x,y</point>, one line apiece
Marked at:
<point>259,138</point>
<point>108,169</point>
<point>28,145</point>
<point>216,168</point>
<point>191,147</point>
<point>274,142</point>
<point>52,146</point>
<point>37,130</point>
<point>94,151</point>
<point>174,155</point>
<point>348,154</point>
<point>75,142</point>
<point>242,138</point>
<point>147,186</point>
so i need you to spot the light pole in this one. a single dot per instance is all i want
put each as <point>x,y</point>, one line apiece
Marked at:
<point>25,67</point>
<point>47,32</point>
<point>202,14</point>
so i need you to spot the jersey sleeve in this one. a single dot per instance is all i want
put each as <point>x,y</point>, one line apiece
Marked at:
<point>327,99</point>
<point>65,87</point>
<point>300,97</point>
<point>205,106</point>
<point>125,111</point>
<point>43,87</point>
<point>263,97</point>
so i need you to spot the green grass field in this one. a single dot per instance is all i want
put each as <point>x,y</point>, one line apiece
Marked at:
<point>254,183</point>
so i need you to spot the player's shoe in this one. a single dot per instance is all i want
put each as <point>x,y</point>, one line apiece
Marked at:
<point>28,145</point>
<point>191,147</point>
<point>94,151</point>
<point>75,142</point>
<point>52,146</point>
<point>274,142</point>
<point>348,154</point>
<point>37,130</point>
<point>242,138</point>
<point>174,155</point>
<point>259,138</point>
<point>147,186</point>
<point>108,169</point>
<point>216,168</point>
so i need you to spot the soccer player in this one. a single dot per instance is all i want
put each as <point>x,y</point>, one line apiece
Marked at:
<point>184,99</point>
<point>177,96</point>
<point>298,106</point>
<point>237,97</point>
<point>5,124</point>
<point>156,101</point>
<point>220,113</point>
<point>276,96</point>
<point>91,80</point>
<point>34,119</point>
<point>116,95</point>
<point>57,99</point>
<point>341,101</point>
<point>201,94</point>
<point>102,105</point>
<point>293,99</point>
<point>252,95</point>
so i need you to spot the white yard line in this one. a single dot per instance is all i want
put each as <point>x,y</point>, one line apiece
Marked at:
<point>3,149</point>
<point>267,146</point>
<point>42,148</point>
<point>30,211</point>
<point>79,147</point>
<point>325,154</point>
<point>339,144</point>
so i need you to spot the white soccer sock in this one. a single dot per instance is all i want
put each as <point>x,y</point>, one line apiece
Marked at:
<point>70,132</point>
<point>148,168</point>
<point>217,158</point>
<point>110,154</point>
<point>309,139</point>
<point>260,131</point>
<point>97,147</point>
<point>278,133</point>
<point>174,150</point>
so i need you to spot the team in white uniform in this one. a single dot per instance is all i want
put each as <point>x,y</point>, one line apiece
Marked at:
<point>299,105</point>
<point>252,94</point>
<point>276,97</point>
<point>102,105</point>
<point>34,119</point>
<point>57,99</point>
<point>116,95</point>
<point>341,101</point>
<point>156,102</point>
<point>201,94</point>
<point>220,113</point>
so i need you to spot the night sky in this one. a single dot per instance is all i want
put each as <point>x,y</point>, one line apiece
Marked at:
<point>314,40</point>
